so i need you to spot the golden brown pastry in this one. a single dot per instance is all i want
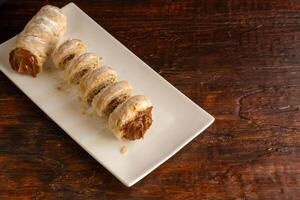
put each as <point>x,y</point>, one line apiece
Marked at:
<point>80,66</point>
<point>38,39</point>
<point>94,81</point>
<point>110,97</point>
<point>68,51</point>
<point>131,119</point>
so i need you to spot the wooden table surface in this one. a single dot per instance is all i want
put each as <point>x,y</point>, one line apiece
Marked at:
<point>237,59</point>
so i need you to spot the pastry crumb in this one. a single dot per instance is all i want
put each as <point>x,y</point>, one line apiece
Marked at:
<point>60,87</point>
<point>124,150</point>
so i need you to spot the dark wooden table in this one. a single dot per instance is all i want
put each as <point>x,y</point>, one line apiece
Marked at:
<point>239,60</point>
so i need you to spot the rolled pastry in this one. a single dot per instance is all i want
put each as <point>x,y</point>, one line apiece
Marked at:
<point>94,81</point>
<point>67,51</point>
<point>80,66</point>
<point>131,119</point>
<point>110,97</point>
<point>53,13</point>
<point>36,42</point>
<point>44,27</point>
<point>49,18</point>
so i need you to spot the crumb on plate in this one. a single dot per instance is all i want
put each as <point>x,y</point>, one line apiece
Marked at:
<point>60,87</point>
<point>124,150</point>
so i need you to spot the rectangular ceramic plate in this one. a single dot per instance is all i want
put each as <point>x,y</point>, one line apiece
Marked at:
<point>177,120</point>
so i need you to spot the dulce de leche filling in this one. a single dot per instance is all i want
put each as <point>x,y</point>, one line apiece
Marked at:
<point>136,128</point>
<point>23,61</point>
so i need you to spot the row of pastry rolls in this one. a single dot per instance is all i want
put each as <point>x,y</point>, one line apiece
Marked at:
<point>129,117</point>
<point>37,40</point>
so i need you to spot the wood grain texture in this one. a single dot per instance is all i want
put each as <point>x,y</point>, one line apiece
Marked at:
<point>238,59</point>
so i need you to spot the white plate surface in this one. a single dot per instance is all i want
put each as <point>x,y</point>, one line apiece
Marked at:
<point>177,120</point>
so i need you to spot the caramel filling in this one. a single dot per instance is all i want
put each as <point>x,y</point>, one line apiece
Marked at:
<point>24,62</point>
<point>97,89</point>
<point>76,78</point>
<point>136,128</point>
<point>114,103</point>
<point>67,59</point>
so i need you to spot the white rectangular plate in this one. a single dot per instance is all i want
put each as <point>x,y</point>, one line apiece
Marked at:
<point>177,120</point>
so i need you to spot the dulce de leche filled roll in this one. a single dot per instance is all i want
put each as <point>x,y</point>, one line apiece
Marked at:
<point>111,96</point>
<point>80,66</point>
<point>68,51</point>
<point>94,81</point>
<point>38,39</point>
<point>131,119</point>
